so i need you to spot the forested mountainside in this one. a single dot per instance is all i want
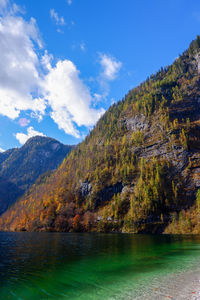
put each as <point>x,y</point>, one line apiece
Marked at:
<point>137,171</point>
<point>20,167</point>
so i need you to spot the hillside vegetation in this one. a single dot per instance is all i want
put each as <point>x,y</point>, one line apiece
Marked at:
<point>137,171</point>
<point>20,167</point>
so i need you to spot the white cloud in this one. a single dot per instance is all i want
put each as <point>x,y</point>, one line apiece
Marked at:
<point>19,76</point>
<point>29,82</point>
<point>69,2</point>
<point>98,98</point>
<point>1,149</point>
<point>69,98</point>
<point>110,66</point>
<point>22,137</point>
<point>56,18</point>
<point>46,60</point>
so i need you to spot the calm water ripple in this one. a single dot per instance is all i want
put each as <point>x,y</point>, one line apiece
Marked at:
<point>96,266</point>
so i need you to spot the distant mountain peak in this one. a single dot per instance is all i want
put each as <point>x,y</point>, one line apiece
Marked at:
<point>20,167</point>
<point>138,169</point>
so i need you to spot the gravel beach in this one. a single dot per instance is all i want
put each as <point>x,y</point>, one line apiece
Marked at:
<point>176,287</point>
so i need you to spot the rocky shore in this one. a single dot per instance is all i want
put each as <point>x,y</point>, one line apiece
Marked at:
<point>181,286</point>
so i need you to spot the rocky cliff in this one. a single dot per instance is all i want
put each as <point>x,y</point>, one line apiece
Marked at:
<point>136,171</point>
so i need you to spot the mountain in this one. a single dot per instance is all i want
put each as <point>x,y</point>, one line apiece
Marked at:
<point>137,171</point>
<point>20,167</point>
<point>4,155</point>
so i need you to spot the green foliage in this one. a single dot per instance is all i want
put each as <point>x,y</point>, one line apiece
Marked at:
<point>137,137</point>
<point>151,193</point>
<point>198,201</point>
<point>183,139</point>
<point>123,177</point>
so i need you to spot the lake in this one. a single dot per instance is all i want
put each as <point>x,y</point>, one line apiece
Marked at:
<point>97,266</point>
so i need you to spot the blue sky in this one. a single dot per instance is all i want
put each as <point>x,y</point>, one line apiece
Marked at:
<point>63,63</point>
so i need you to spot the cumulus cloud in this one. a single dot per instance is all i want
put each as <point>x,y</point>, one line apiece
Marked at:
<point>69,98</point>
<point>22,137</point>
<point>1,149</point>
<point>46,60</point>
<point>29,81</point>
<point>110,66</point>
<point>19,76</point>
<point>56,18</point>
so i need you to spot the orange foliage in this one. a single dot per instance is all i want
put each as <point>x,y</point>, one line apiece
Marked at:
<point>76,223</point>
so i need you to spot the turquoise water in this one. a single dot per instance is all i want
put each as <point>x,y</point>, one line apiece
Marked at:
<point>92,266</point>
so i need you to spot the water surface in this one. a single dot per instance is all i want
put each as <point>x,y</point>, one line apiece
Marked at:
<point>95,266</point>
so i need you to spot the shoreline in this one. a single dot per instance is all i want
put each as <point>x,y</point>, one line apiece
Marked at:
<point>179,286</point>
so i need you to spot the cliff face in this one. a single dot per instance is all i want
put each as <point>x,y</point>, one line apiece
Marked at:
<point>136,170</point>
<point>20,167</point>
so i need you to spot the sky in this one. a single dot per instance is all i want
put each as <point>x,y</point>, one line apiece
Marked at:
<point>63,63</point>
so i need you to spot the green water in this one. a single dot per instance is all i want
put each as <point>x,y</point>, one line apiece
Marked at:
<point>91,266</point>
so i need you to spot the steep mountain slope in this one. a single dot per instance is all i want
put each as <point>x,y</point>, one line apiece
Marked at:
<point>4,155</point>
<point>19,168</point>
<point>137,168</point>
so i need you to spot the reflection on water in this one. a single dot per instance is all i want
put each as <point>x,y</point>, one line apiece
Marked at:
<point>90,266</point>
